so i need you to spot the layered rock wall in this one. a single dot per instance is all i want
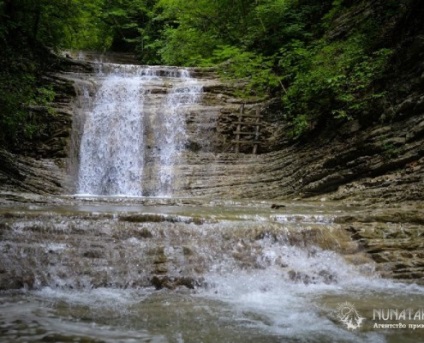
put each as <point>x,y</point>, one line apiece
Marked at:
<point>377,163</point>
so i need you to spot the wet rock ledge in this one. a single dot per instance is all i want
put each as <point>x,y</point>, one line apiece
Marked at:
<point>393,238</point>
<point>74,243</point>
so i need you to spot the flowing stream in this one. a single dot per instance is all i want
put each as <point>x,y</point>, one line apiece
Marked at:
<point>105,269</point>
<point>127,261</point>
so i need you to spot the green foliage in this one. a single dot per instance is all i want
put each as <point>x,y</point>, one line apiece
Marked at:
<point>125,20</point>
<point>227,21</point>
<point>256,26</point>
<point>185,47</point>
<point>278,47</point>
<point>16,120</point>
<point>86,29</point>
<point>23,59</point>
<point>255,70</point>
<point>39,21</point>
<point>20,90</point>
<point>193,29</point>
<point>330,81</point>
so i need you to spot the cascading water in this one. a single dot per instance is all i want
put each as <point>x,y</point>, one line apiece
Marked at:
<point>130,123</point>
<point>169,270</point>
<point>112,149</point>
<point>172,136</point>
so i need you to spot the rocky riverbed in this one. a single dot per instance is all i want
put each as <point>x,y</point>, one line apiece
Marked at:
<point>167,243</point>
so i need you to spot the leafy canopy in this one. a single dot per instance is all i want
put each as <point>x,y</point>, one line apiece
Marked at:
<point>276,47</point>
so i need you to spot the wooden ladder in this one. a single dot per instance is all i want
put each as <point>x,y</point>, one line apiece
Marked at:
<point>254,131</point>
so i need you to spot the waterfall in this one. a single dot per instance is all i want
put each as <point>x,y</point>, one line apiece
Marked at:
<point>137,118</point>
<point>172,136</point>
<point>112,142</point>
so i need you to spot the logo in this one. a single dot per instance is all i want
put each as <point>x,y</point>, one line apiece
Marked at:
<point>348,315</point>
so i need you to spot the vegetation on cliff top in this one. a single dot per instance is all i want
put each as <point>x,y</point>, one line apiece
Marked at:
<point>324,70</point>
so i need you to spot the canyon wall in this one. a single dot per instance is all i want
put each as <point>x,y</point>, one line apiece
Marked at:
<point>382,162</point>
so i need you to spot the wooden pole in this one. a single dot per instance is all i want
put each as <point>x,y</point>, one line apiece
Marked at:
<point>239,128</point>
<point>255,147</point>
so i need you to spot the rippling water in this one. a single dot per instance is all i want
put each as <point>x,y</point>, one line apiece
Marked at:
<point>239,308</point>
<point>263,282</point>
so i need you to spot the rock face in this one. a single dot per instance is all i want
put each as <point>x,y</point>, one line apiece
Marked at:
<point>42,165</point>
<point>27,174</point>
<point>373,164</point>
<point>393,238</point>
